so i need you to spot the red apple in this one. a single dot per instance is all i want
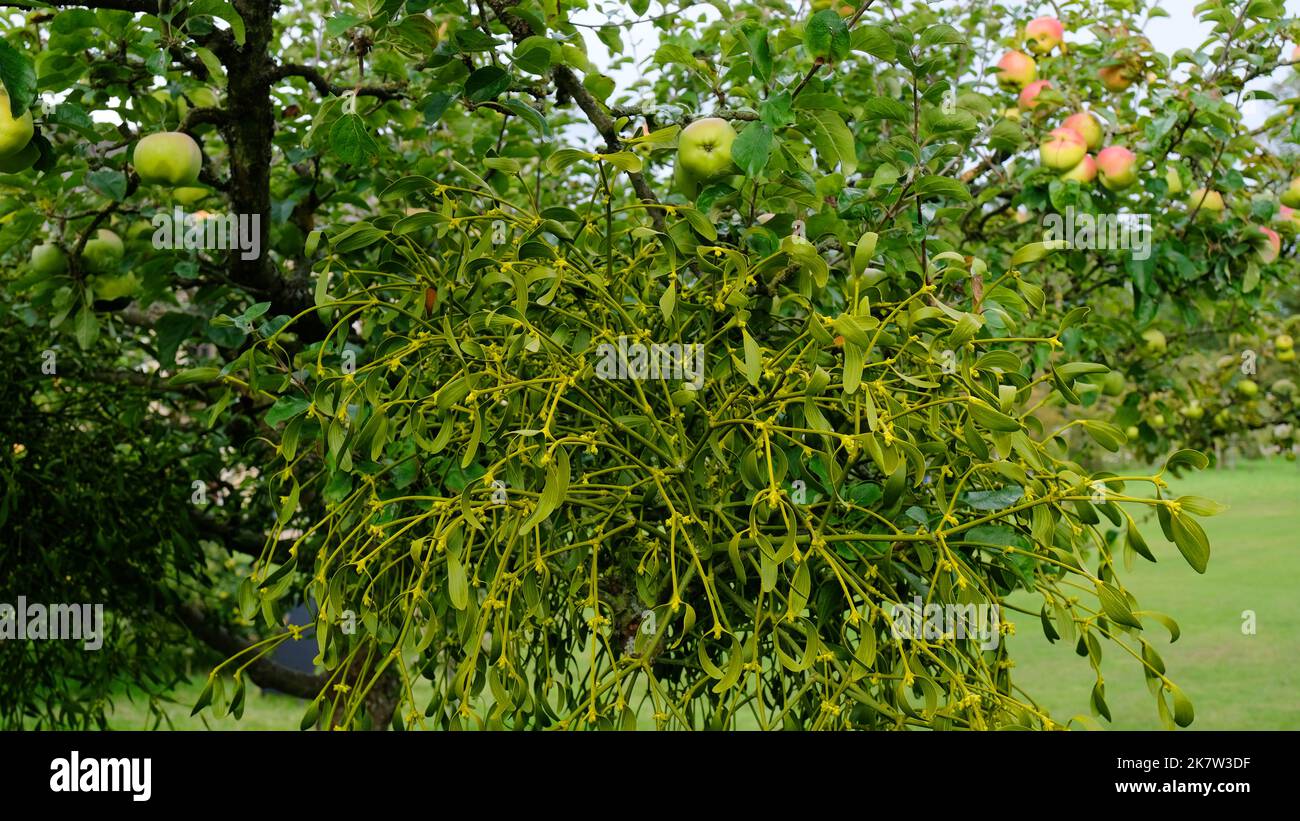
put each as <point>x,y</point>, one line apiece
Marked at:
<point>1029,95</point>
<point>1116,167</point>
<point>1116,78</point>
<point>1269,246</point>
<point>1016,70</point>
<point>1085,172</point>
<point>1063,149</point>
<point>1044,34</point>
<point>1087,126</point>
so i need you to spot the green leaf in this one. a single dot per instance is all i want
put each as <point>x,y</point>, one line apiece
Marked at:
<point>486,83</point>
<point>1201,506</point>
<point>833,140</point>
<point>351,141</point>
<point>1191,540</point>
<point>1187,458</point>
<point>18,74</point>
<point>752,148</point>
<point>1115,606</point>
<point>86,327</point>
<point>285,408</point>
<point>457,583</point>
<point>221,10</point>
<point>1184,715</point>
<point>753,358</point>
<point>933,186</point>
<point>826,36</point>
<point>990,418</point>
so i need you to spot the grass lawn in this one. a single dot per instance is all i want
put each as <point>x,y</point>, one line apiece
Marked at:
<point>1235,681</point>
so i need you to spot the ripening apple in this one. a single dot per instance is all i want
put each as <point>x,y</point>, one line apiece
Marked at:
<point>1084,173</point>
<point>1116,167</point>
<point>1154,342</point>
<point>48,260</point>
<point>1028,98</point>
<point>1289,217</point>
<point>1087,126</point>
<point>1173,180</point>
<point>168,158</point>
<point>1247,388</point>
<point>1116,78</point>
<point>1208,201</point>
<point>103,251</point>
<point>15,132</point>
<point>704,149</point>
<point>1012,113</point>
<point>1016,70</point>
<point>1295,57</point>
<point>20,160</point>
<point>1063,149</point>
<point>1291,196</point>
<point>1044,34</point>
<point>1269,245</point>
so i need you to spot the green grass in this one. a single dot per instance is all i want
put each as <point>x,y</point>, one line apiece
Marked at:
<point>1235,681</point>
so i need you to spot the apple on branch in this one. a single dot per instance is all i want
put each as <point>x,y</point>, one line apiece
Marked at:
<point>1116,167</point>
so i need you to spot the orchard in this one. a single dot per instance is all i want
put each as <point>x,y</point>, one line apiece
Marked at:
<point>535,377</point>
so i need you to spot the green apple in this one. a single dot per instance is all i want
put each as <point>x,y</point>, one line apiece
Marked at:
<point>1193,410</point>
<point>1154,342</point>
<point>1210,202</point>
<point>684,182</point>
<point>704,149</point>
<point>1132,432</point>
<point>1157,421</point>
<point>1291,196</point>
<point>1113,384</point>
<point>24,159</point>
<point>48,259</point>
<point>1284,342</point>
<point>1287,355</point>
<point>1283,387</point>
<point>1247,388</point>
<point>15,132</point>
<point>1222,418</point>
<point>168,158</point>
<point>102,252</point>
<point>189,194</point>
<point>108,287</point>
